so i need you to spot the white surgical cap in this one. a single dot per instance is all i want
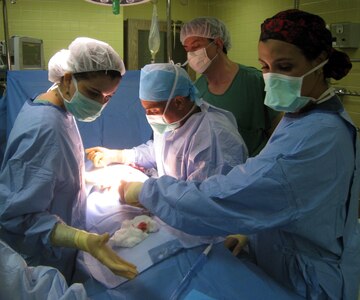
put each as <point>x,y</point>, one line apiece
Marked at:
<point>207,27</point>
<point>84,55</point>
<point>157,80</point>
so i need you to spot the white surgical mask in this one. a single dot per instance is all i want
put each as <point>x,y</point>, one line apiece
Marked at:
<point>283,92</point>
<point>199,60</point>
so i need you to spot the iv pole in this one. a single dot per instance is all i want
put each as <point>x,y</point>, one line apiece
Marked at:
<point>168,30</point>
<point>296,4</point>
<point>6,34</point>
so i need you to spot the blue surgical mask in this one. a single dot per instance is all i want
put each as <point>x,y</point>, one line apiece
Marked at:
<point>283,92</point>
<point>81,107</point>
<point>160,126</point>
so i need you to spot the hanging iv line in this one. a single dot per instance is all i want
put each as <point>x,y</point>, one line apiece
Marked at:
<point>154,35</point>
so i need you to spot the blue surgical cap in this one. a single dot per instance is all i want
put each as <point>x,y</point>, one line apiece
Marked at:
<point>157,80</point>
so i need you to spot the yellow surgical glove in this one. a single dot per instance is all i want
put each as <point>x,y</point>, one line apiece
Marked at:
<point>70,237</point>
<point>129,193</point>
<point>102,157</point>
<point>235,243</point>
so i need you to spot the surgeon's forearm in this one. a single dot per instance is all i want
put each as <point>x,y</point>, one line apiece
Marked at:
<point>70,237</point>
<point>125,156</point>
<point>63,236</point>
<point>94,244</point>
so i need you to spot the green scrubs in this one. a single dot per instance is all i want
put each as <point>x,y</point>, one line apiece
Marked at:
<point>245,99</point>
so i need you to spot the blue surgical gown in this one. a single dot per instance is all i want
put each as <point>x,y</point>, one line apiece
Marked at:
<point>208,143</point>
<point>19,281</point>
<point>41,184</point>
<point>297,200</point>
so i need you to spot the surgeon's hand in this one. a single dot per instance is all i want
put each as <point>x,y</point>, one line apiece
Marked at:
<point>235,243</point>
<point>67,236</point>
<point>129,193</point>
<point>102,157</point>
<point>97,247</point>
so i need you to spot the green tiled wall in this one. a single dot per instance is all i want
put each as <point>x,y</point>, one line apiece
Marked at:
<point>58,22</point>
<point>183,10</point>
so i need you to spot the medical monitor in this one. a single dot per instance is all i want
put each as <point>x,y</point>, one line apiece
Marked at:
<point>26,53</point>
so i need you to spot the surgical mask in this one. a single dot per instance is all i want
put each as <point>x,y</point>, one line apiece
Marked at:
<point>160,126</point>
<point>158,122</point>
<point>81,107</point>
<point>199,61</point>
<point>283,92</point>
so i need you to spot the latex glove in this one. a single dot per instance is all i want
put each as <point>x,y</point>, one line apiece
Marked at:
<point>129,193</point>
<point>67,236</point>
<point>102,157</point>
<point>235,243</point>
